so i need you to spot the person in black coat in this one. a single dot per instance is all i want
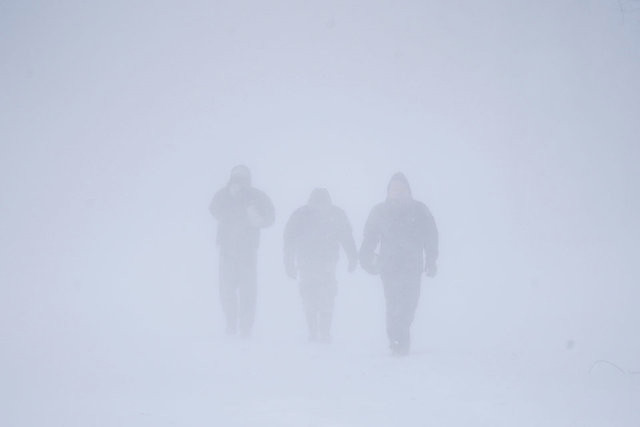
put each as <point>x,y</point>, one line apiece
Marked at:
<point>241,211</point>
<point>312,239</point>
<point>406,234</point>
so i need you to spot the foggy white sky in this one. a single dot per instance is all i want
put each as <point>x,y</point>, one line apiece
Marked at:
<point>516,122</point>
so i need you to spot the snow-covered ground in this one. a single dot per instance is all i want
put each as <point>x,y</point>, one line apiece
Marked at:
<point>159,365</point>
<point>286,382</point>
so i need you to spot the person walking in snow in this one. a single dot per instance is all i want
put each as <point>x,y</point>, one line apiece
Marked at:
<point>241,211</point>
<point>312,239</point>
<point>405,232</point>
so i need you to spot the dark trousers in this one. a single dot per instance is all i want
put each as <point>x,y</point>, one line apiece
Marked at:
<point>401,293</point>
<point>318,289</point>
<point>238,287</point>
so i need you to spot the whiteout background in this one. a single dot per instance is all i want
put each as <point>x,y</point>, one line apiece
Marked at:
<point>516,122</point>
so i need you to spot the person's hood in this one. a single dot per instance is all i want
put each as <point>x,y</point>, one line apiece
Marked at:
<point>319,198</point>
<point>240,174</point>
<point>400,177</point>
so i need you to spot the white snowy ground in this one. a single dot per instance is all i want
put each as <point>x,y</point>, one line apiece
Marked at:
<point>134,375</point>
<point>261,383</point>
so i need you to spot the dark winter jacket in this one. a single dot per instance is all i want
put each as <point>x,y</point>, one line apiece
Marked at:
<point>240,218</point>
<point>314,233</point>
<point>406,234</point>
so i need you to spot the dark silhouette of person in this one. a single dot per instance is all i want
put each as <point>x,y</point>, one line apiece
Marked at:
<point>312,239</point>
<point>241,211</point>
<point>405,233</point>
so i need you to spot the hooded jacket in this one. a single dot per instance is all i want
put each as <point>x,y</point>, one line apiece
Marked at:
<point>314,233</point>
<point>404,231</point>
<point>241,211</point>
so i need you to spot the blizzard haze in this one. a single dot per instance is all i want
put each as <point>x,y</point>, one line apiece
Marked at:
<point>516,122</point>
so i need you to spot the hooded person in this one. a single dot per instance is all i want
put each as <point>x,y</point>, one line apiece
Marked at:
<point>313,236</point>
<point>241,211</point>
<point>405,234</point>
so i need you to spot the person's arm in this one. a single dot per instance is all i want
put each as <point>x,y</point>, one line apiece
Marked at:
<point>217,207</point>
<point>370,241</point>
<point>261,211</point>
<point>290,237</point>
<point>347,241</point>
<point>268,211</point>
<point>430,244</point>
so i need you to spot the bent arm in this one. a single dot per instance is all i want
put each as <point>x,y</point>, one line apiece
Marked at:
<point>265,210</point>
<point>430,239</point>
<point>217,207</point>
<point>347,241</point>
<point>290,237</point>
<point>370,241</point>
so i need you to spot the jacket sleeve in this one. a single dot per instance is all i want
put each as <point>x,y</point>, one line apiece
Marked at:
<point>218,208</point>
<point>290,239</point>
<point>266,210</point>
<point>345,236</point>
<point>430,239</point>
<point>370,241</point>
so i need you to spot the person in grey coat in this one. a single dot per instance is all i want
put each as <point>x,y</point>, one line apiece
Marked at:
<point>313,236</point>
<point>405,232</point>
<point>241,211</point>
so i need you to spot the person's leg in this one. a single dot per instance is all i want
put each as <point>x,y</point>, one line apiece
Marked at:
<point>228,293</point>
<point>409,294</point>
<point>393,309</point>
<point>326,298</point>
<point>311,313</point>
<point>308,293</point>
<point>247,291</point>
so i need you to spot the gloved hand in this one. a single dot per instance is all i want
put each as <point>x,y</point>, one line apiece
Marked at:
<point>353,263</point>
<point>291,270</point>
<point>371,264</point>
<point>255,219</point>
<point>430,268</point>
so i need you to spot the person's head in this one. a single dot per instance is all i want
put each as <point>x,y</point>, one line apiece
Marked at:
<point>240,179</point>
<point>398,188</point>
<point>319,198</point>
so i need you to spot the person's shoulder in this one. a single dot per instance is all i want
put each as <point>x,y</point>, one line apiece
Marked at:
<point>338,214</point>
<point>337,211</point>
<point>380,206</point>
<point>422,208</point>
<point>301,211</point>
<point>379,210</point>
<point>256,193</point>
<point>420,205</point>
<point>296,217</point>
<point>222,192</point>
